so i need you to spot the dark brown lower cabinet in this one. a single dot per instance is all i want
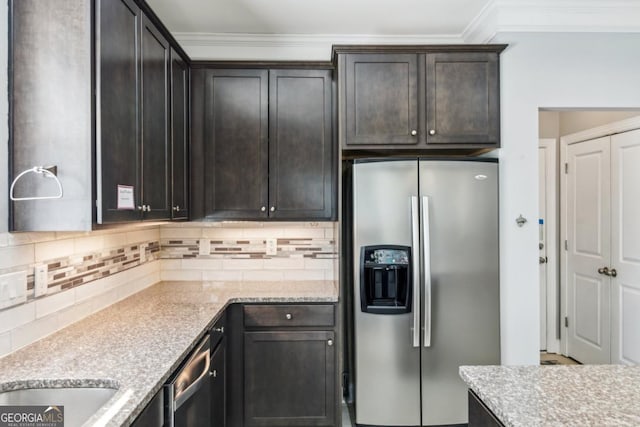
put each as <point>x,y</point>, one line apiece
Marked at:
<point>289,378</point>
<point>479,414</point>
<point>218,385</point>
<point>153,414</point>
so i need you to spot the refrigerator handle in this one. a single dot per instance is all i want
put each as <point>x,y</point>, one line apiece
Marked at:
<point>426,253</point>
<point>415,268</point>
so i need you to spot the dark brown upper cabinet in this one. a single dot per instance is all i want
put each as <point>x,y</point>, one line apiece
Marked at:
<point>301,150</point>
<point>179,137</point>
<point>102,116</point>
<point>236,150</point>
<point>267,142</point>
<point>412,98</point>
<point>462,99</point>
<point>381,99</point>
<point>156,172</point>
<point>134,115</point>
<point>118,141</point>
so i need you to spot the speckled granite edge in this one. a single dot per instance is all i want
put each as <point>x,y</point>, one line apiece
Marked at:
<point>582,395</point>
<point>137,343</point>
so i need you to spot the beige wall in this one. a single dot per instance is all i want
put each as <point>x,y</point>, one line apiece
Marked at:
<point>554,124</point>
<point>549,124</point>
<point>576,121</point>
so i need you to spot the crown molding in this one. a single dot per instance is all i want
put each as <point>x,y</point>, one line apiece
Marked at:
<point>290,46</point>
<point>557,16</point>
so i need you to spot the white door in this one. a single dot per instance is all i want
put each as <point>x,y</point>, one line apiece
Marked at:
<point>625,250</point>
<point>588,233</point>
<point>548,184</point>
<point>542,203</point>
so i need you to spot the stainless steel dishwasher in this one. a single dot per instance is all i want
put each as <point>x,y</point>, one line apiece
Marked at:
<point>189,391</point>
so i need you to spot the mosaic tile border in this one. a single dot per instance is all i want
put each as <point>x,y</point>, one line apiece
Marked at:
<point>318,248</point>
<point>71,271</point>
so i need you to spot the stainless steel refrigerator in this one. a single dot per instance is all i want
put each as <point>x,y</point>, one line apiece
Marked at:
<point>425,287</point>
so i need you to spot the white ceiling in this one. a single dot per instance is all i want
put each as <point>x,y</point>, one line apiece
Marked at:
<point>306,29</point>
<point>379,17</point>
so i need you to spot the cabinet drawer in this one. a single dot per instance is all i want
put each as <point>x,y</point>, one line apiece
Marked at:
<point>288,315</point>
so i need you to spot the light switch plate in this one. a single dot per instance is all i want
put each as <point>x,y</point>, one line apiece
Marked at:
<point>272,246</point>
<point>13,289</point>
<point>40,279</point>
<point>204,247</point>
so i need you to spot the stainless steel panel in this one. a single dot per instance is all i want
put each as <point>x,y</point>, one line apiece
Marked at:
<point>386,363</point>
<point>465,318</point>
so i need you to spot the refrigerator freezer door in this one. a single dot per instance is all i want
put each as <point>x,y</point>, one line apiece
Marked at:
<point>386,362</point>
<point>465,304</point>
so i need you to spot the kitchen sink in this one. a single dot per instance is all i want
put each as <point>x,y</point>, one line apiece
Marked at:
<point>80,403</point>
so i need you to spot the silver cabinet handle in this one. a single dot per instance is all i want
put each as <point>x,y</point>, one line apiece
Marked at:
<point>288,316</point>
<point>414,132</point>
<point>273,209</point>
<point>263,209</point>
<point>426,253</point>
<point>214,373</point>
<point>330,343</point>
<point>542,260</point>
<point>415,245</point>
<point>432,132</point>
<point>148,208</point>
<point>604,270</point>
<point>613,272</point>
<point>141,208</point>
<point>176,208</point>
<point>220,329</point>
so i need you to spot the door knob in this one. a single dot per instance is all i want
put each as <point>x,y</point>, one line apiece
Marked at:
<point>604,270</point>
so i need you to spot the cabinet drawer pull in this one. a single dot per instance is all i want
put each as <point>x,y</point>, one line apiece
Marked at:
<point>414,132</point>
<point>273,209</point>
<point>220,329</point>
<point>432,132</point>
<point>214,373</point>
<point>141,208</point>
<point>288,316</point>
<point>263,209</point>
<point>330,343</point>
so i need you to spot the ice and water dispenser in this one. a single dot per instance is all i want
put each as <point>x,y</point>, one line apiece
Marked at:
<point>385,279</point>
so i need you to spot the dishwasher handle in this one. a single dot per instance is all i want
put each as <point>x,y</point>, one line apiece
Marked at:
<point>186,374</point>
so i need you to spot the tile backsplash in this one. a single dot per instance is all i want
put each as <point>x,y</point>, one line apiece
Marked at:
<point>88,271</point>
<point>238,251</point>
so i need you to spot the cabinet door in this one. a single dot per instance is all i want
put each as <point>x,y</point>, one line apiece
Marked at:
<point>218,385</point>
<point>462,99</point>
<point>381,100</point>
<point>153,413</point>
<point>236,145</point>
<point>155,123</point>
<point>289,378</point>
<point>179,138</point>
<point>118,141</point>
<point>301,148</point>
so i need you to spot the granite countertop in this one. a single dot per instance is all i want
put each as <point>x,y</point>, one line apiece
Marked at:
<point>577,395</point>
<point>135,344</point>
